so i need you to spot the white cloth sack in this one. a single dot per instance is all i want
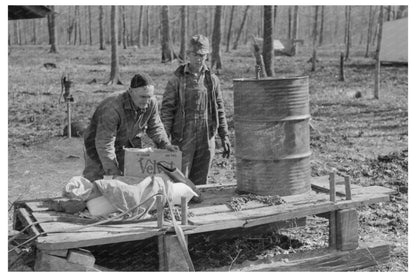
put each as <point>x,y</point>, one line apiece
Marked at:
<point>80,188</point>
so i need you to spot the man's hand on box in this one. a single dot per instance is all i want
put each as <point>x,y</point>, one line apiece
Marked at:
<point>172,148</point>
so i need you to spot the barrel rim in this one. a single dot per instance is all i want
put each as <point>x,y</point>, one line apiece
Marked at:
<point>252,79</point>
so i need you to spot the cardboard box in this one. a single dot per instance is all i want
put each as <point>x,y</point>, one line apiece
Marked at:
<point>143,162</point>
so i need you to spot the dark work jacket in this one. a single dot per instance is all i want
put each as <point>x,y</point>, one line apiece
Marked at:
<point>173,105</point>
<point>116,124</point>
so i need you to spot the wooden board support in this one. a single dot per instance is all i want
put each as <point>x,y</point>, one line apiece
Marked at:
<point>367,255</point>
<point>175,258</point>
<point>347,229</point>
<point>46,262</point>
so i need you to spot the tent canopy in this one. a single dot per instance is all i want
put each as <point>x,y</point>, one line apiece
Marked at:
<point>28,12</point>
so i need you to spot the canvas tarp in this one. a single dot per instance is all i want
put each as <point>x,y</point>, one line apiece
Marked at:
<point>394,41</point>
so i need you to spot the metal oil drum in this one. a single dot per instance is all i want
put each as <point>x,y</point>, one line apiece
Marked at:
<point>271,120</point>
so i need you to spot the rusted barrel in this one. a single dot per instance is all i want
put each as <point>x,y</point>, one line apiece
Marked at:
<point>271,119</point>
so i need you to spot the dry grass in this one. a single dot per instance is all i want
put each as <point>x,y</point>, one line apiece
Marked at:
<point>351,133</point>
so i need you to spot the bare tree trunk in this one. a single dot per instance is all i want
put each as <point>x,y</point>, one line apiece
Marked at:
<point>229,29</point>
<point>147,27</point>
<point>115,73</point>
<point>268,51</point>
<point>139,32</point>
<point>388,13</point>
<point>240,30</point>
<point>79,26</point>
<point>295,28</point>
<point>195,21</point>
<point>401,12</point>
<point>379,37</point>
<point>34,38</point>
<point>182,54</point>
<point>369,32</point>
<point>216,40</point>
<point>167,51</point>
<point>321,32</point>
<point>341,68</point>
<point>53,38</point>
<point>76,24</point>
<point>346,25</point>
<point>49,21</point>
<point>315,35</point>
<point>348,35</point>
<point>90,24</point>
<point>124,37</point>
<point>275,18</point>
<point>101,27</point>
<point>289,22</point>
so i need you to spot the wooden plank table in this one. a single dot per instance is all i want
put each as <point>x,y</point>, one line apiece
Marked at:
<point>61,231</point>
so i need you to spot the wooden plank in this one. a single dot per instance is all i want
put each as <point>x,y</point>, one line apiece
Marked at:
<point>59,253</point>
<point>81,256</point>
<point>321,184</point>
<point>285,211</point>
<point>220,185</point>
<point>175,258</point>
<point>61,217</point>
<point>75,240</point>
<point>26,220</point>
<point>229,224</point>
<point>45,262</point>
<point>367,255</point>
<point>347,188</point>
<point>292,199</point>
<point>347,229</point>
<point>332,237</point>
<point>162,253</point>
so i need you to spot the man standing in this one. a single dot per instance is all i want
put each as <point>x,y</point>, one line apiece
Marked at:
<point>193,112</point>
<point>120,121</point>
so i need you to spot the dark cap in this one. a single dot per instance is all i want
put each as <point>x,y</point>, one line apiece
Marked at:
<point>199,44</point>
<point>141,79</point>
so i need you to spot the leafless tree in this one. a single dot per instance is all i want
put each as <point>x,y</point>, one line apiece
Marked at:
<point>52,32</point>
<point>89,24</point>
<point>216,40</point>
<point>314,38</point>
<point>34,37</point>
<point>379,37</point>
<point>139,32</point>
<point>167,49</point>
<point>101,27</point>
<point>240,30</point>
<point>115,72</point>
<point>182,54</point>
<point>348,32</point>
<point>268,51</point>
<point>369,31</point>
<point>289,22</point>
<point>124,28</point>
<point>295,27</point>
<point>321,32</point>
<point>229,29</point>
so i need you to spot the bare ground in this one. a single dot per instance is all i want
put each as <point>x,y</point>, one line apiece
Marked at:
<point>353,134</point>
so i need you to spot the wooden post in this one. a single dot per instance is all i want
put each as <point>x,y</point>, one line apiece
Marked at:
<point>347,187</point>
<point>68,111</point>
<point>332,215</point>
<point>161,240</point>
<point>347,229</point>
<point>184,211</point>
<point>341,68</point>
<point>184,214</point>
<point>175,258</point>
